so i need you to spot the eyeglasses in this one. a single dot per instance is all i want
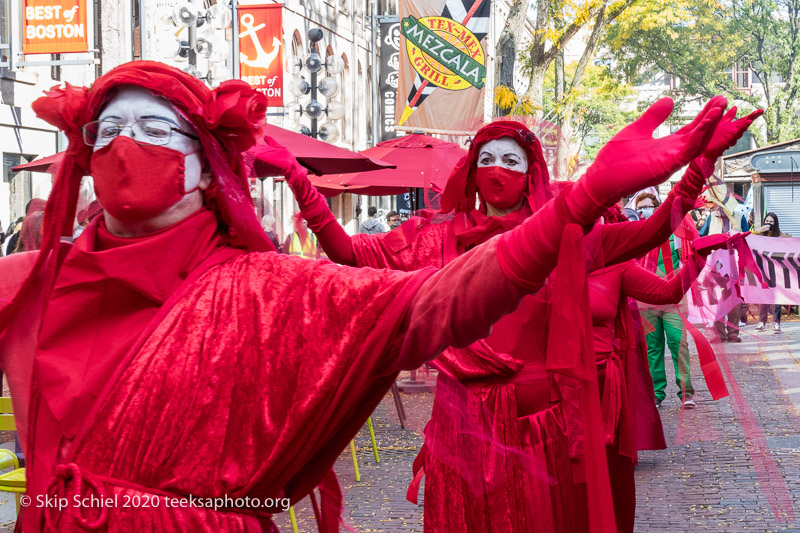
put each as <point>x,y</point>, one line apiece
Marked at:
<point>149,131</point>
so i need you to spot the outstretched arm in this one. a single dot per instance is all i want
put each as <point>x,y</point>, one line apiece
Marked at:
<point>646,287</point>
<point>627,240</point>
<point>274,159</point>
<point>623,241</point>
<point>457,305</point>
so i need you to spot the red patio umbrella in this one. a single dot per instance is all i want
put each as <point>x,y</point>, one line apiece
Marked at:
<point>317,156</point>
<point>48,164</point>
<point>422,162</point>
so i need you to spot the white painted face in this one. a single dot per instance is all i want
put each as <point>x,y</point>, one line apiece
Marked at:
<point>133,103</point>
<point>503,152</point>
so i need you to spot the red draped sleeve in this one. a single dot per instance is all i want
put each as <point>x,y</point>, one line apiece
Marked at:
<point>644,286</point>
<point>609,244</point>
<point>417,243</point>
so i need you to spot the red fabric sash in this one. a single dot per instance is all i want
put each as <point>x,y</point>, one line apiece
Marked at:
<point>708,361</point>
<point>570,352</point>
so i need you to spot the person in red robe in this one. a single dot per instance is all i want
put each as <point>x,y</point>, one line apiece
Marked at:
<point>623,385</point>
<point>170,373</point>
<point>504,449</point>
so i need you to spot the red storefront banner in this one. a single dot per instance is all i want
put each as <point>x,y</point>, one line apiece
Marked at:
<point>54,26</point>
<point>261,50</point>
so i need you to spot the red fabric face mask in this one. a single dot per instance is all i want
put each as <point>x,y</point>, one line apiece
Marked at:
<point>135,182</point>
<point>500,186</point>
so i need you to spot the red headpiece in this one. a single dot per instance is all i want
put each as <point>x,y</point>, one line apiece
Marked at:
<point>460,193</point>
<point>227,120</point>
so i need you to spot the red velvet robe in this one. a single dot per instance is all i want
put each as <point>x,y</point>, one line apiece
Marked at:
<point>246,380</point>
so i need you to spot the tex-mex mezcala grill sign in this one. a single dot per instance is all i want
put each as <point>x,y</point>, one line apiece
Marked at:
<point>444,52</point>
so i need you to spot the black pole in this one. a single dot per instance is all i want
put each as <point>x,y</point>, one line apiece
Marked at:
<point>314,131</point>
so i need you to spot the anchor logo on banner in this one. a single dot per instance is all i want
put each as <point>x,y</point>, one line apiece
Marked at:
<point>263,59</point>
<point>262,69</point>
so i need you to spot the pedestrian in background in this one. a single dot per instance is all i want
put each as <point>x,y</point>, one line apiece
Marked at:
<point>372,225</point>
<point>668,331</point>
<point>771,228</point>
<point>393,219</point>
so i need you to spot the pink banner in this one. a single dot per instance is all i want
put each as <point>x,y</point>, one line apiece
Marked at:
<point>778,259</point>
<point>714,294</point>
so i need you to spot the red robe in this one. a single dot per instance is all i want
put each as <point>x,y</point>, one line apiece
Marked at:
<point>248,379</point>
<point>627,399</point>
<point>504,433</point>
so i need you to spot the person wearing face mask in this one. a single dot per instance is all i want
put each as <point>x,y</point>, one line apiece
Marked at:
<point>513,443</point>
<point>770,228</point>
<point>169,334</point>
<point>393,220</point>
<point>667,324</point>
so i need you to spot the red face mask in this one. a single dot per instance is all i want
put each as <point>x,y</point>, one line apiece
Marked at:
<point>499,186</point>
<point>135,182</point>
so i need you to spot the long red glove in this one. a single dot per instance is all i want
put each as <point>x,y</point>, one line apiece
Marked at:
<point>273,159</point>
<point>633,160</point>
<point>609,244</point>
<point>728,131</point>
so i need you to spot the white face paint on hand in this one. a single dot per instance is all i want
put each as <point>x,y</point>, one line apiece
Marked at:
<point>503,152</point>
<point>132,103</point>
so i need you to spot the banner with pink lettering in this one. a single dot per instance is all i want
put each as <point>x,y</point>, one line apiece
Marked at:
<point>778,259</point>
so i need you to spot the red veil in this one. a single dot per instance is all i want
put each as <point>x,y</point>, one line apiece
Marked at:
<point>461,192</point>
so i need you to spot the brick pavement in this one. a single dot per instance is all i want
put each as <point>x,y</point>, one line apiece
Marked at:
<point>710,478</point>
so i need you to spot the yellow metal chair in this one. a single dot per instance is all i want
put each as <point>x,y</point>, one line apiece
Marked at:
<point>374,449</point>
<point>13,481</point>
<point>292,516</point>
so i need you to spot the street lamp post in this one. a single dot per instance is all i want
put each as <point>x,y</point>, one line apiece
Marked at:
<point>315,87</point>
<point>204,39</point>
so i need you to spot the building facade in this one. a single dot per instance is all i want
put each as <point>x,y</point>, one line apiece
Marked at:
<point>114,37</point>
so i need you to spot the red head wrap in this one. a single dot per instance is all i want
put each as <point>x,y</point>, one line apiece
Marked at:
<point>227,120</point>
<point>460,193</point>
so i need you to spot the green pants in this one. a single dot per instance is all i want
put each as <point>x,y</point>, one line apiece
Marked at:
<point>668,325</point>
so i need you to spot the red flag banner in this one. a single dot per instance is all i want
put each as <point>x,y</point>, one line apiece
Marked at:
<point>260,50</point>
<point>54,26</point>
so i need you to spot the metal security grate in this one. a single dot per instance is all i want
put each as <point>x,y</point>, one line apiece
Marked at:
<point>784,201</point>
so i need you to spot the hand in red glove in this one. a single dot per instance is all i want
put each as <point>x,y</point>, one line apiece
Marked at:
<point>705,245</point>
<point>728,131</point>
<point>272,159</point>
<point>633,160</point>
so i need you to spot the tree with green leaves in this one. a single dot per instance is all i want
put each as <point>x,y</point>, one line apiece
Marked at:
<point>712,47</point>
<point>556,24</point>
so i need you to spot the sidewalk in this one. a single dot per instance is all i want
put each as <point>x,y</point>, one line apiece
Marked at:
<point>717,476</point>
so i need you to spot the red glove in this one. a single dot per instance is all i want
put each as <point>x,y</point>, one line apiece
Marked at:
<point>705,245</point>
<point>728,131</point>
<point>272,159</point>
<point>633,160</point>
